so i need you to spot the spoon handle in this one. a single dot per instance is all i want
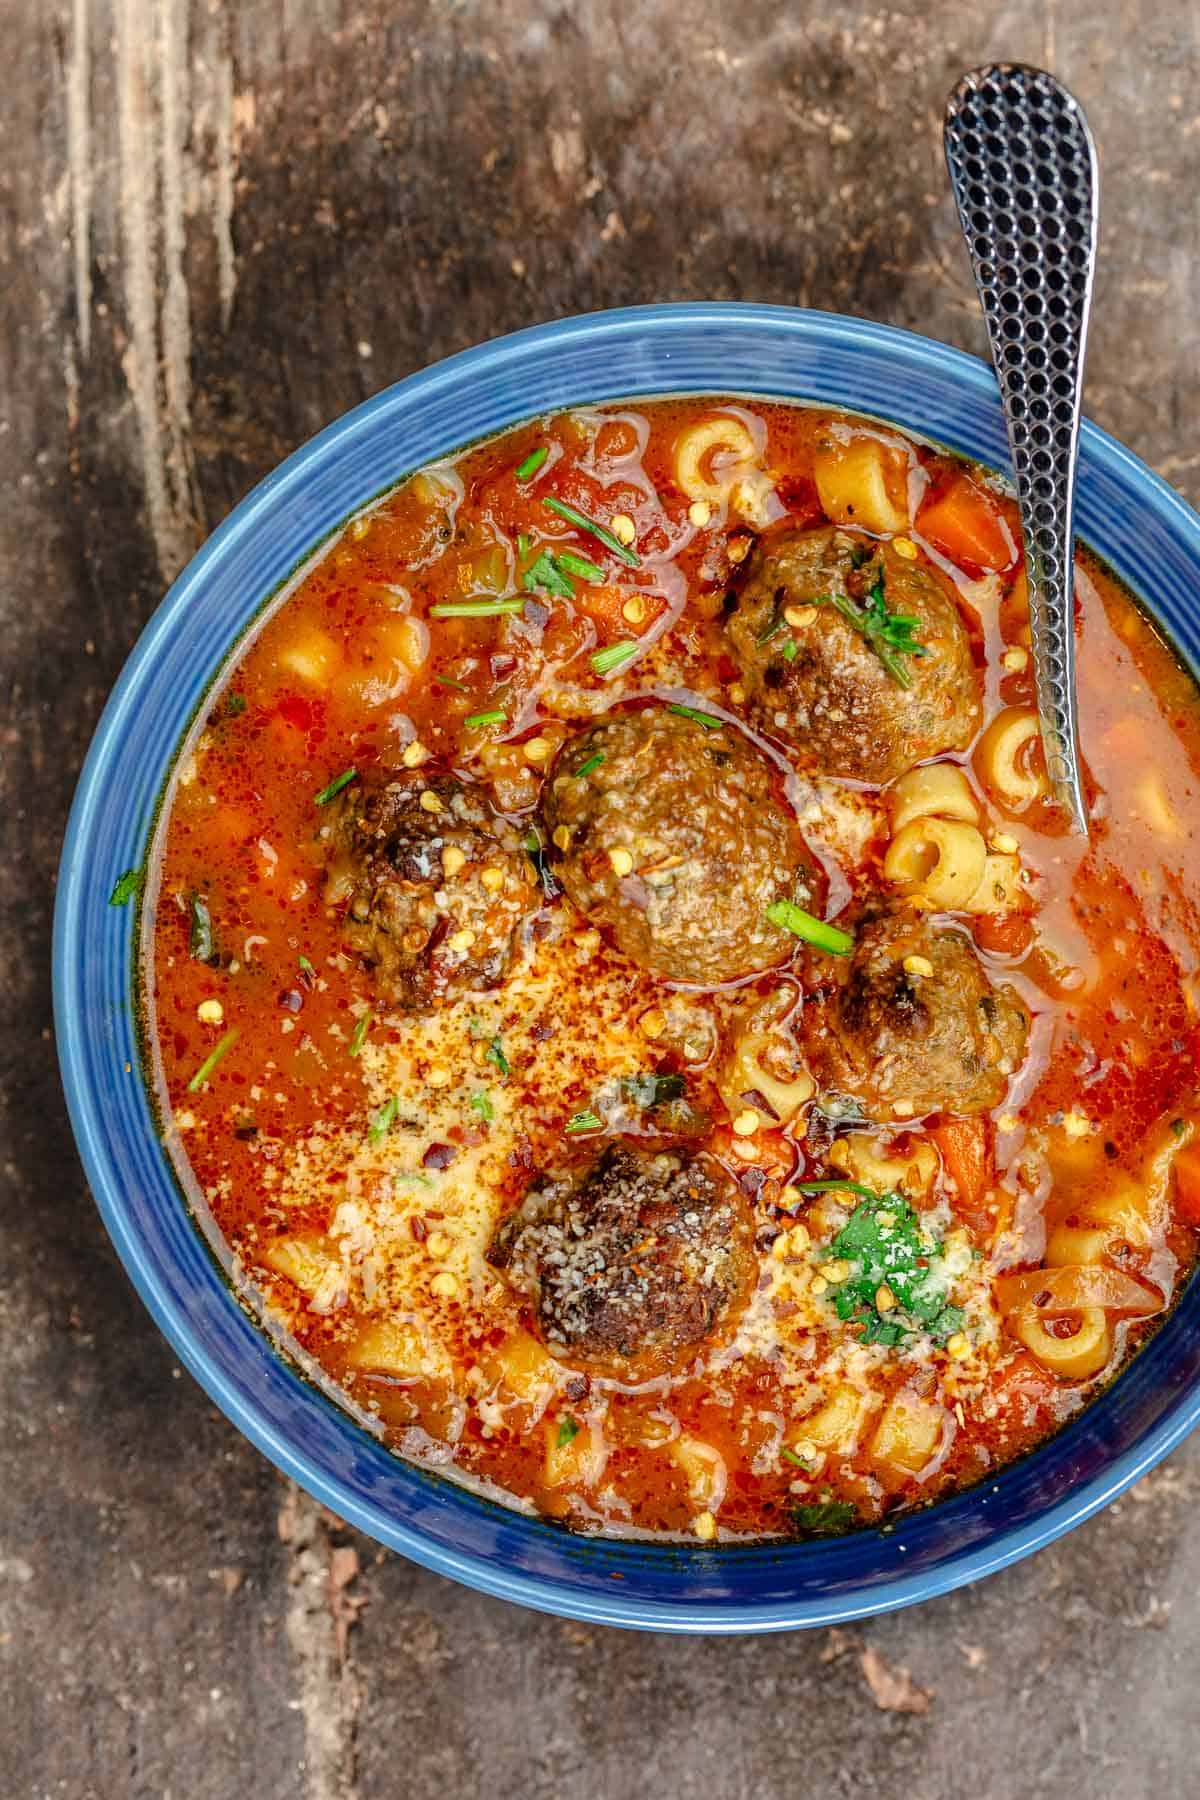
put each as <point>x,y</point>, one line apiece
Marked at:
<point>1023,167</point>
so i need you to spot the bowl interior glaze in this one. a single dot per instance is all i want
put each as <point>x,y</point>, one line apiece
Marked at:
<point>1143,529</point>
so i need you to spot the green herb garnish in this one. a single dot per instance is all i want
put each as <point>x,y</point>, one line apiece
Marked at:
<point>584,1121</point>
<point>598,531</point>
<point>533,462</point>
<point>126,887</point>
<point>568,1430</point>
<point>495,1054</point>
<point>614,656</point>
<point>824,1517</point>
<point>886,1247</point>
<point>546,574</point>
<point>536,851</point>
<point>478,720</point>
<point>790,650</point>
<point>306,967</point>
<point>524,544</point>
<point>708,720</point>
<point>482,1105</point>
<point>235,705</point>
<point>383,1120</point>
<point>790,917</point>
<point>460,687</point>
<point>889,634</point>
<point>475,609</point>
<point>829,1187</point>
<point>580,565</point>
<point>201,945</point>
<point>413,1175</point>
<point>585,768</point>
<point>211,1060</point>
<point>774,624</point>
<point>335,787</point>
<point>789,1455</point>
<point>647,1091</point>
<point>360,1034</point>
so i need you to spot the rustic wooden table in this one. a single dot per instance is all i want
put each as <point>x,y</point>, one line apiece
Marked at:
<point>224,223</point>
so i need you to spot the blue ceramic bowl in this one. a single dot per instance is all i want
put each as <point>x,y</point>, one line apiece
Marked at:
<point>1144,530</point>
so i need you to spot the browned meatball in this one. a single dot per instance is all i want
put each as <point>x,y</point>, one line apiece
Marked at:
<point>912,1024</point>
<point>437,885</point>
<point>634,1264</point>
<point>675,838</point>
<point>815,679</point>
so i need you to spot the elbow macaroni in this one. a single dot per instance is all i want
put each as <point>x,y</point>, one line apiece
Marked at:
<point>1004,752</point>
<point>942,859</point>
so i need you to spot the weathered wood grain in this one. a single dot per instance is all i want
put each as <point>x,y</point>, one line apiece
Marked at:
<point>221,223</point>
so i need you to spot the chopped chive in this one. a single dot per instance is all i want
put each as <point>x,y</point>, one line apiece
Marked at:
<point>789,1455</point>
<point>476,720</point>
<point>774,624</point>
<point>533,462</point>
<point>545,573</point>
<point>460,687</point>
<point>828,1187</point>
<point>384,1119</point>
<point>475,609</point>
<point>305,965</point>
<point>360,1034</point>
<point>701,718</point>
<point>584,1121</point>
<point>524,544</point>
<point>482,1104</point>
<point>200,937</point>
<point>126,887</point>
<point>335,787</point>
<point>601,532</point>
<point>790,917</point>
<point>211,1060</point>
<point>585,768</point>
<point>613,656</point>
<point>495,1054</point>
<point>568,1429</point>
<point>413,1175</point>
<point>580,565</point>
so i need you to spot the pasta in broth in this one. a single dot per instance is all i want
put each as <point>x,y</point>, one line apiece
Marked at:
<point>622,990</point>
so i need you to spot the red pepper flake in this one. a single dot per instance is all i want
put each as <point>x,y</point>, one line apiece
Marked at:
<point>418,1227</point>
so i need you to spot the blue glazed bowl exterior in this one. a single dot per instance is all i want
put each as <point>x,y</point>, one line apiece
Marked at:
<point>1134,520</point>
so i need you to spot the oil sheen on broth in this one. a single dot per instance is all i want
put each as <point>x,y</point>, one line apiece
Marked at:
<point>629,1004</point>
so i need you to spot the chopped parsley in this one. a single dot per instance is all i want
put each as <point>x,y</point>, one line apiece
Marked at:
<point>533,462</point>
<point>585,768</point>
<point>568,1431</point>
<point>383,1120</point>
<point>335,787</point>
<point>824,1517</point>
<point>211,1060</point>
<point>889,634</point>
<point>790,917</point>
<point>584,1121</point>
<point>360,1034</point>
<point>647,1091</point>
<point>546,574</point>
<point>481,1104</point>
<point>201,944</point>
<point>600,532</point>
<point>883,1242</point>
<point>613,656</point>
<point>708,720</point>
<point>790,650</point>
<point>495,1054</point>
<point>126,887</point>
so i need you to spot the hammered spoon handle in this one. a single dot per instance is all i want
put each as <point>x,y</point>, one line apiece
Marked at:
<point>1023,167</point>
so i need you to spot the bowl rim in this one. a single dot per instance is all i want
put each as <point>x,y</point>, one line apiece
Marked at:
<point>547,1593</point>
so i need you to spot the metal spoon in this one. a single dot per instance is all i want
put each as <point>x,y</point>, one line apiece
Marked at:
<point>1023,167</point>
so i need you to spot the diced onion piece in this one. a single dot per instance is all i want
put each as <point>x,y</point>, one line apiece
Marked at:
<point>704,1469</point>
<point>863,482</point>
<point>943,859</point>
